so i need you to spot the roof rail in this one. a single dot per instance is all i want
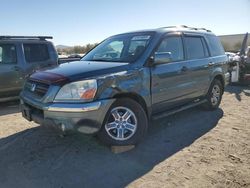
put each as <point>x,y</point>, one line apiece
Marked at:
<point>204,29</point>
<point>174,26</point>
<point>184,26</point>
<point>26,37</point>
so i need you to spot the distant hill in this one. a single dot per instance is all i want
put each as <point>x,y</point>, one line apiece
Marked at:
<point>62,47</point>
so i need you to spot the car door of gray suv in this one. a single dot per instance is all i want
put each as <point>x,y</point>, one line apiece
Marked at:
<point>198,65</point>
<point>10,81</point>
<point>171,83</point>
<point>37,56</point>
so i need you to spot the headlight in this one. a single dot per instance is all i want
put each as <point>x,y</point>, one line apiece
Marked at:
<point>77,91</point>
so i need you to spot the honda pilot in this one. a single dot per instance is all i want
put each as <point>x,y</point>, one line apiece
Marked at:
<point>127,80</point>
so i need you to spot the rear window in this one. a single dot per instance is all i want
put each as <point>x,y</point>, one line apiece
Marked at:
<point>36,52</point>
<point>215,46</point>
<point>195,48</point>
<point>7,54</point>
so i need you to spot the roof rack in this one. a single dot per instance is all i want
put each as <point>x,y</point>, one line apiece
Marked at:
<point>194,28</point>
<point>26,37</point>
<point>184,26</point>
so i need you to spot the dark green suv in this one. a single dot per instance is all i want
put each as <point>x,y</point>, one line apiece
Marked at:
<point>128,79</point>
<point>19,57</point>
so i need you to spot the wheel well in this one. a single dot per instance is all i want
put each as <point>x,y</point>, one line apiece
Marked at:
<point>220,78</point>
<point>136,98</point>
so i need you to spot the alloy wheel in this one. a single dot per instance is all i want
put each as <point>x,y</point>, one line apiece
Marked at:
<point>216,94</point>
<point>121,124</point>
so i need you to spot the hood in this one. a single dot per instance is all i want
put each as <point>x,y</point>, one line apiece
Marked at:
<point>77,70</point>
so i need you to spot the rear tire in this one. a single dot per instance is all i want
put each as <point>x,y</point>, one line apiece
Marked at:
<point>125,123</point>
<point>214,95</point>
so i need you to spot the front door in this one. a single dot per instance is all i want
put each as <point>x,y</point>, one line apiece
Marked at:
<point>171,83</point>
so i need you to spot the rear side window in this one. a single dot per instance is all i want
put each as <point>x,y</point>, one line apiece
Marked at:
<point>215,46</point>
<point>205,47</point>
<point>8,54</point>
<point>36,52</point>
<point>174,46</point>
<point>195,48</point>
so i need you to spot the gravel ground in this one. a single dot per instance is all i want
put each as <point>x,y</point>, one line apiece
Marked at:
<point>193,148</point>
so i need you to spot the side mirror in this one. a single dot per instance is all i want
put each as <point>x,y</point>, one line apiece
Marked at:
<point>162,57</point>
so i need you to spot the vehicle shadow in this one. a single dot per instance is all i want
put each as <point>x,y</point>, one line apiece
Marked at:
<point>9,107</point>
<point>38,157</point>
<point>238,90</point>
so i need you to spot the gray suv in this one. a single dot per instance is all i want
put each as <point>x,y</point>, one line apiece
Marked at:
<point>19,57</point>
<point>127,80</point>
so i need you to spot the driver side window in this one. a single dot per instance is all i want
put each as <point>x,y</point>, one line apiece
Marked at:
<point>174,46</point>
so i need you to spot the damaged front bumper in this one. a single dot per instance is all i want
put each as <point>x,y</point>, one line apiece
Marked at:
<point>84,117</point>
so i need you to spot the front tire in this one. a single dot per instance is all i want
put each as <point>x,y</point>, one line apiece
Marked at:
<point>125,123</point>
<point>214,95</point>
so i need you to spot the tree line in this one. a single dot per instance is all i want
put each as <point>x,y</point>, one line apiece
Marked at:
<point>77,49</point>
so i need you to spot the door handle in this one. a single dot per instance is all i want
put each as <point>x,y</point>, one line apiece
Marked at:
<point>184,69</point>
<point>211,64</point>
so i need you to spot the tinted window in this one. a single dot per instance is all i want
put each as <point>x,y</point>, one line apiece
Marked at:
<point>205,47</point>
<point>174,46</point>
<point>194,47</point>
<point>215,45</point>
<point>36,52</point>
<point>7,54</point>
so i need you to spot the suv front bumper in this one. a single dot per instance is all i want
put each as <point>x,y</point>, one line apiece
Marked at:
<point>84,117</point>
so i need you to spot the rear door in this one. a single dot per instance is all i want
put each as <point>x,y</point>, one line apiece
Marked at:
<point>171,84</point>
<point>11,79</point>
<point>199,64</point>
<point>218,59</point>
<point>37,56</point>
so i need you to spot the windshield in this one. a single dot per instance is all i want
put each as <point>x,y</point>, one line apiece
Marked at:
<point>123,48</point>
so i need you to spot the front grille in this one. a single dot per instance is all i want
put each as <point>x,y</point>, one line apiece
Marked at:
<point>37,88</point>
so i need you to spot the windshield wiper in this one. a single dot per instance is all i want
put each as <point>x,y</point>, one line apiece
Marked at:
<point>106,60</point>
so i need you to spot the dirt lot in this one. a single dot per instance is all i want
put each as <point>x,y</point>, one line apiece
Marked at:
<point>194,148</point>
